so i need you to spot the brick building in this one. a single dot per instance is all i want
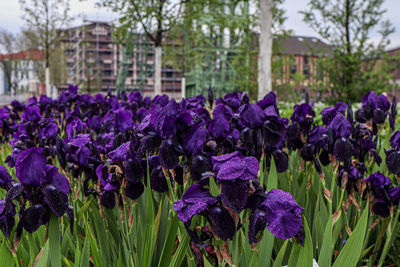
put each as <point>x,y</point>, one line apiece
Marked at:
<point>295,63</point>
<point>93,59</point>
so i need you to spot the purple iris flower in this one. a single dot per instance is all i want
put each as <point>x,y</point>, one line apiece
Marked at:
<point>274,130</point>
<point>330,112</point>
<point>32,114</point>
<point>5,177</point>
<point>279,212</point>
<point>380,185</point>
<point>373,107</point>
<point>303,115</point>
<point>109,186</point>
<point>195,200</point>
<point>234,171</point>
<point>198,201</point>
<point>234,166</point>
<point>45,188</point>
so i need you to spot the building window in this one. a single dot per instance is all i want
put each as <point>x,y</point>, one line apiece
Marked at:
<point>320,73</point>
<point>306,68</point>
<point>107,73</point>
<point>293,67</point>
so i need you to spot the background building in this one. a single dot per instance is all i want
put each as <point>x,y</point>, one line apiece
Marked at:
<point>93,60</point>
<point>20,73</point>
<point>296,63</point>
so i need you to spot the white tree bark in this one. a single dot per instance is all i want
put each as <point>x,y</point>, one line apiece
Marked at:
<point>265,52</point>
<point>183,87</point>
<point>48,88</point>
<point>157,71</point>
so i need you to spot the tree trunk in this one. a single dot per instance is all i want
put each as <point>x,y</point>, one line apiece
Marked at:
<point>47,79</point>
<point>157,71</point>
<point>265,51</point>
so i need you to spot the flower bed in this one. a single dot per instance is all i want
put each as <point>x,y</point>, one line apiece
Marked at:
<point>153,182</point>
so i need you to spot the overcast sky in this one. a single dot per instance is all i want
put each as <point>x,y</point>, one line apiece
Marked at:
<point>11,16</point>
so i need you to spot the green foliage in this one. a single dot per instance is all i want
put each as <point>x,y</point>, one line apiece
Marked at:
<point>351,69</point>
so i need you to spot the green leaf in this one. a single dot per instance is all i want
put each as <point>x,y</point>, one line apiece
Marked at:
<point>54,241</point>
<point>181,251</point>
<point>325,255</point>
<point>43,259</point>
<point>350,253</point>
<point>84,261</point>
<point>306,253</point>
<point>93,244</point>
<point>294,255</point>
<point>5,255</point>
<point>169,244</point>
<point>214,187</point>
<point>266,245</point>
<point>281,254</point>
<point>272,182</point>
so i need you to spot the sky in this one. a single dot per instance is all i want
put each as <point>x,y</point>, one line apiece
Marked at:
<point>11,16</point>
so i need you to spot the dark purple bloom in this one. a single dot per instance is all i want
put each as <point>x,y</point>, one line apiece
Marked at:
<point>75,127</point>
<point>395,140</point>
<point>379,184</point>
<point>257,223</point>
<point>330,112</point>
<point>7,213</point>
<point>121,153</point>
<point>274,131</point>
<point>169,157</point>
<point>30,167</point>
<point>303,115</point>
<point>308,152</point>
<point>218,128</point>
<point>222,111</point>
<point>393,113</point>
<point>158,180</point>
<point>200,167</point>
<point>194,140</point>
<point>373,107</point>
<point>343,150</point>
<point>281,160</point>
<point>56,200</point>
<point>5,177</point>
<point>221,222</point>
<point>133,170</point>
<point>282,213</point>
<point>235,167</point>
<point>32,113</point>
<point>234,194</point>
<point>134,190</point>
<point>34,217</point>
<point>393,161</point>
<point>341,127</point>
<point>194,201</point>
<point>251,115</point>
<point>210,97</point>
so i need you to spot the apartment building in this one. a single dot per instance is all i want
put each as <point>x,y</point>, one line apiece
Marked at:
<point>93,59</point>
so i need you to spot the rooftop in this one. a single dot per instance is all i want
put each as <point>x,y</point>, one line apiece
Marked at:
<point>302,45</point>
<point>23,55</point>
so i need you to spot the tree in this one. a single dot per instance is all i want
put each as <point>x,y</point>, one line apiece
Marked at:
<point>265,50</point>
<point>217,44</point>
<point>156,17</point>
<point>347,26</point>
<point>44,17</point>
